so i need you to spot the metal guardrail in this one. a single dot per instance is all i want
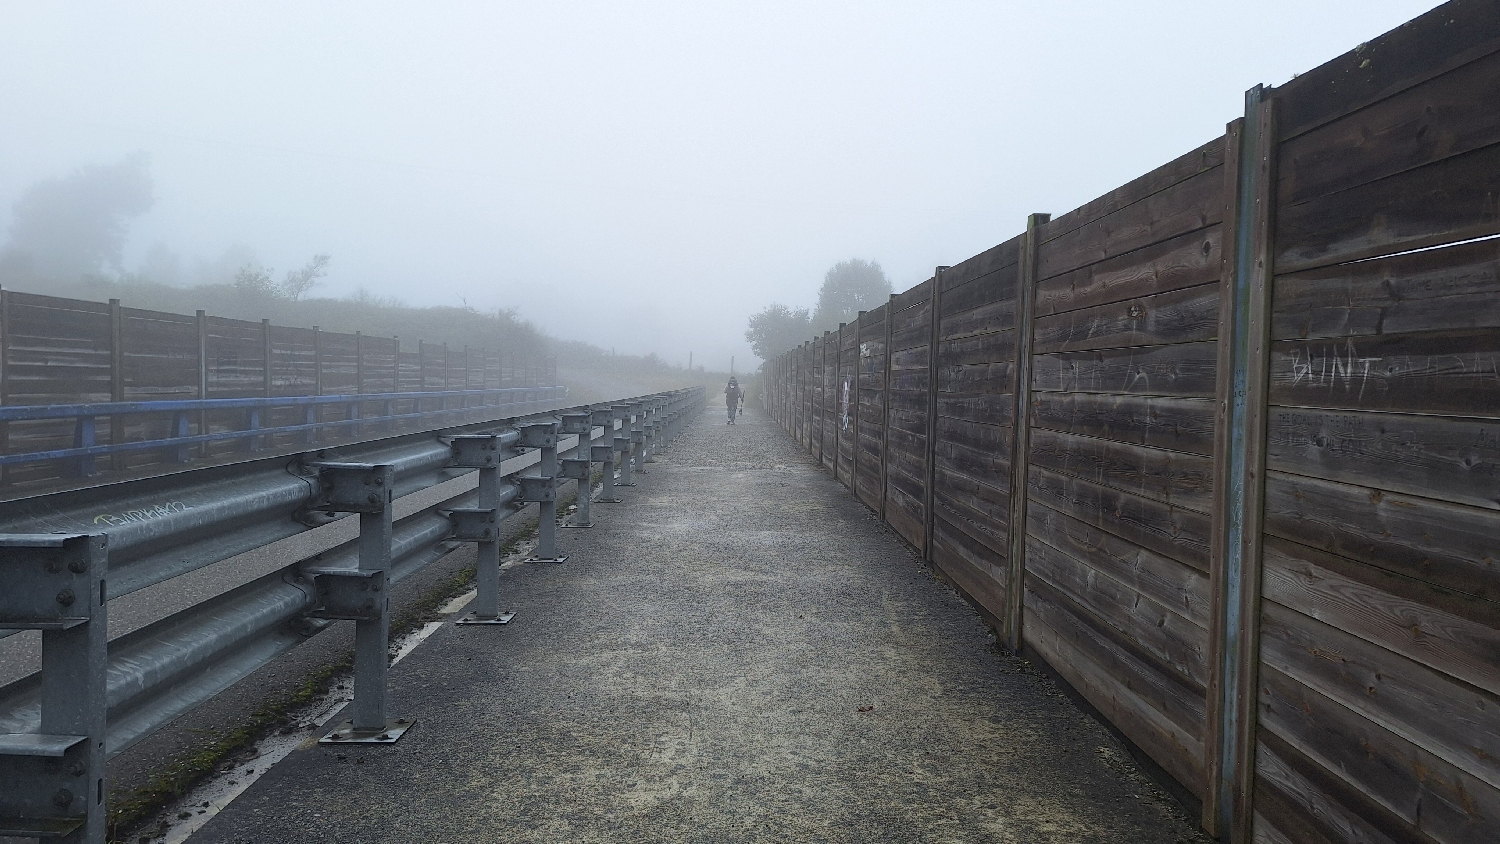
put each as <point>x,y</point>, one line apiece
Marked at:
<point>85,419</point>
<point>64,556</point>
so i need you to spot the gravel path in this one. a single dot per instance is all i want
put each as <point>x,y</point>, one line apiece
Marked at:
<point>740,652</point>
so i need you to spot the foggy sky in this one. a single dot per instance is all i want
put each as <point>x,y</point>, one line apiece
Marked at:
<point>640,175</point>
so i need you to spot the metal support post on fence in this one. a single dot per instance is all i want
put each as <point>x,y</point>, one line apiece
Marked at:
<point>52,781</point>
<point>652,426</point>
<point>638,438</point>
<point>626,414</point>
<point>542,488</point>
<point>580,467</point>
<point>481,525</point>
<point>361,595</point>
<point>605,453</point>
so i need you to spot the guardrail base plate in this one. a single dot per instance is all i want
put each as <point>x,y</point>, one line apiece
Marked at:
<point>345,733</point>
<point>42,828</point>
<point>474,618</point>
<point>578,526</point>
<point>558,559</point>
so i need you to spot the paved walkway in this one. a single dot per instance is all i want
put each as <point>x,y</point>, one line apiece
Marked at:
<point>740,652</point>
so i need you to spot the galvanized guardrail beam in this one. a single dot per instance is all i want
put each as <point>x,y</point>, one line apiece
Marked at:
<point>93,699</point>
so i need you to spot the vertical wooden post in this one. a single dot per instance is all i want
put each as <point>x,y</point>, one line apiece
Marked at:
<point>116,380</point>
<point>935,302</point>
<point>1020,455</point>
<point>1239,479</point>
<point>265,348</point>
<point>885,415</point>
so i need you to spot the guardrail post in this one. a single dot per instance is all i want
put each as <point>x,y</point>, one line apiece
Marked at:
<point>361,595</point>
<point>542,488</point>
<point>84,436</point>
<point>638,438</point>
<point>52,781</point>
<point>605,453</point>
<point>482,525</point>
<point>626,414</point>
<point>580,467</point>
<point>180,431</point>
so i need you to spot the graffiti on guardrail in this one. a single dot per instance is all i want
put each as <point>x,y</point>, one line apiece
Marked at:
<point>155,511</point>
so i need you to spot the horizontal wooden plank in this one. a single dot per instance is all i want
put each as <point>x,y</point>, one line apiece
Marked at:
<point>973,567</point>
<point>1308,805</point>
<point>992,408</point>
<point>1167,640</point>
<point>989,527</point>
<point>908,359</point>
<point>1190,205</point>
<point>900,305</point>
<point>1453,288</point>
<point>993,347</point>
<point>1187,260</point>
<point>994,260</point>
<point>1444,630</point>
<point>1425,123</point>
<point>983,493</point>
<point>992,440</point>
<point>1132,696</point>
<point>977,465</point>
<point>1402,778</point>
<point>1179,424</point>
<point>1181,588</point>
<point>1449,458</point>
<point>1171,477</point>
<point>977,378</point>
<point>1450,35</point>
<point>1180,169</point>
<point>22,300</point>
<point>904,514</point>
<point>1452,372</point>
<point>1453,199</point>
<point>1174,532</point>
<point>1459,724</point>
<point>1177,316</point>
<point>1185,369</point>
<point>1447,545</point>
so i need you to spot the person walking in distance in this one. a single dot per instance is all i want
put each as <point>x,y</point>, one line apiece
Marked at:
<point>732,394</point>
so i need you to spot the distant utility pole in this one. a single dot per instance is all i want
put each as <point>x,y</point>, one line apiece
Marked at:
<point>731,364</point>
<point>690,361</point>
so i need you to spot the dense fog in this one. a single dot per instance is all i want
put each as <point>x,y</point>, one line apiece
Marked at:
<point>643,177</point>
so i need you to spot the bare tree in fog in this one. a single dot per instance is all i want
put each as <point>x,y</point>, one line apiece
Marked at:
<point>74,226</point>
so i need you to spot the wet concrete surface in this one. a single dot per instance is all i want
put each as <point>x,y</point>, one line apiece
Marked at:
<point>739,652</point>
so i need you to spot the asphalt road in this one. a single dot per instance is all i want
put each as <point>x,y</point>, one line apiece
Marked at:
<point>740,652</point>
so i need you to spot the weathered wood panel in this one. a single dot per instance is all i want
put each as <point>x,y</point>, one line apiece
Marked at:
<point>1450,200</point>
<point>1187,206</point>
<point>1177,316</point>
<point>1172,478</point>
<point>1157,712</point>
<point>1435,372</point>
<point>1453,459</point>
<point>1185,369</point>
<point>1447,545</point>
<point>1454,288</point>
<point>1184,261</point>
<point>1179,424</point>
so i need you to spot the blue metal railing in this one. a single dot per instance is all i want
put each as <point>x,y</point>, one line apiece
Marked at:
<point>85,419</point>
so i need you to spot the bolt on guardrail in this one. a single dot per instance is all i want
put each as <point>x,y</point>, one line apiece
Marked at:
<point>94,698</point>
